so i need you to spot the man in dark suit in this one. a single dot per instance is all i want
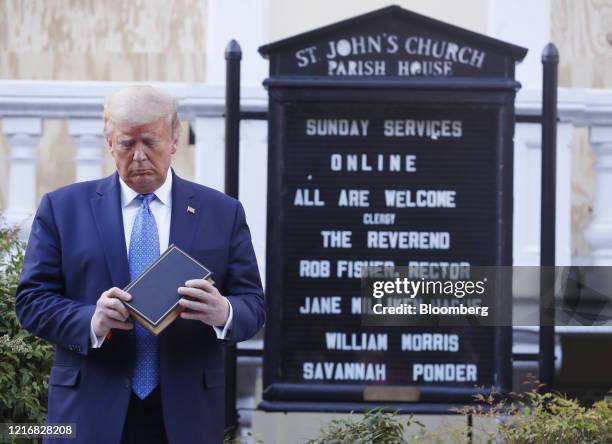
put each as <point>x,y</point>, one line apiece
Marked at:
<point>114,380</point>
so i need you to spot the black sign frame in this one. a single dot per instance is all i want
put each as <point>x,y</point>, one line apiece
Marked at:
<point>290,89</point>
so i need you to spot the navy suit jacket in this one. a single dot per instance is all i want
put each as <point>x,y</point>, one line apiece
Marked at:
<point>76,251</point>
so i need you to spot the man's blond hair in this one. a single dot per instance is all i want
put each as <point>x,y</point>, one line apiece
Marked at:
<point>140,105</point>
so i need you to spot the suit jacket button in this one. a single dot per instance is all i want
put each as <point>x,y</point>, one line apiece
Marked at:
<point>127,383</point>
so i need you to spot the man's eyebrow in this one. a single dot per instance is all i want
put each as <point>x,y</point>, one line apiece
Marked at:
<point>126,138</point>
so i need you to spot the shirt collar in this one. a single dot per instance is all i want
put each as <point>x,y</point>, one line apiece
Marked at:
<point>163,193</point>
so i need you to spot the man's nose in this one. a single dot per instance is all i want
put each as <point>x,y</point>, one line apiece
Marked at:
<point>139,152</point>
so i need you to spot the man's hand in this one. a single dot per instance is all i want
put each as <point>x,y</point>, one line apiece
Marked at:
<point>206,303</point>
<point>111,313</point>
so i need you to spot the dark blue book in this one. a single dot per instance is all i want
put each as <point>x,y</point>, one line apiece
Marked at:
<point>154,302</point>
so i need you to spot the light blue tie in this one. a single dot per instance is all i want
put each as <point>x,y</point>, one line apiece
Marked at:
<point>144,249</point>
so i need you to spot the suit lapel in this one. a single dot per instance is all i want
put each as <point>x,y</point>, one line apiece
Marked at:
<point>106,206</point>
<point>185,214</point>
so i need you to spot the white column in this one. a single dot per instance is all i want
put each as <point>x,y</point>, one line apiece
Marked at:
<point>599,233</point>
<point>89,144</point>
<point>22,134</point>
<point>254,183</point>
<point>563,195</point>
<point>527,184</point>
<point>527,173</point>
<point>210,151</point>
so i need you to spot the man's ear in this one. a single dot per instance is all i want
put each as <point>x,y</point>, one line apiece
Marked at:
<point>175,140</point>
<point>176,135</point>
<point>109,144</point>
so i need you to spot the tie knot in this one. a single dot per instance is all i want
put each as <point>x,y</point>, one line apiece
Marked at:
<point>146,198</point>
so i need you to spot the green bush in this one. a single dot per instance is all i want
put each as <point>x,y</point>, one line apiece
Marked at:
<point>376,427</point>
<point>543,418</point>
<point>553,418</point>
<point>530,418</point>
<point>25,361</point>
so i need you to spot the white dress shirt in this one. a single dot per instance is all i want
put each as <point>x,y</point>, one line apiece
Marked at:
<point>161,207</point>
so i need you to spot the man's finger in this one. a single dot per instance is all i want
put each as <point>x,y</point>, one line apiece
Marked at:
<point>119,294</point>
<point>202,284</point>
<point>116,305</point>
<point>114,314</point>
<point>194,305</point>
<point>196,293</point>
<point>192,315</point>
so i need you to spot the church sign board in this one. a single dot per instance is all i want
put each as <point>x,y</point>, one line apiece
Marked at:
<point>390,144</point>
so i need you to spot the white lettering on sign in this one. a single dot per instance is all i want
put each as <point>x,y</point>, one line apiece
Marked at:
<point>356,68</point>
<point>440,49</point>
<point>352,269</point>
<point>378,218</point>
<point>394,163</point>
<point>354,198</point>
<point>420,198</point>
<point>434,129</point>
<point>343,371</point>
<point>305,197</point>
<point>321,305</point>
<point>361,44</point>
<point>356,341</point>
<point>336,127</point>
<point>428,56</point>
<point>424,342</point>
<point>356,304</point>
<point>438,270</point>
<point>444,372</point>
<point>336,238</point>
<point>306,56</point>
<point>314,269</point>
<point>432,68</point>
<point>405,240</point>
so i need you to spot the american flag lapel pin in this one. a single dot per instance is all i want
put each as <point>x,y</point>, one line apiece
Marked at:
<point>190,209</point>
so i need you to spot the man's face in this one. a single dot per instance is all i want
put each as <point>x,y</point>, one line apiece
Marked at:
<point>142,153</point>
